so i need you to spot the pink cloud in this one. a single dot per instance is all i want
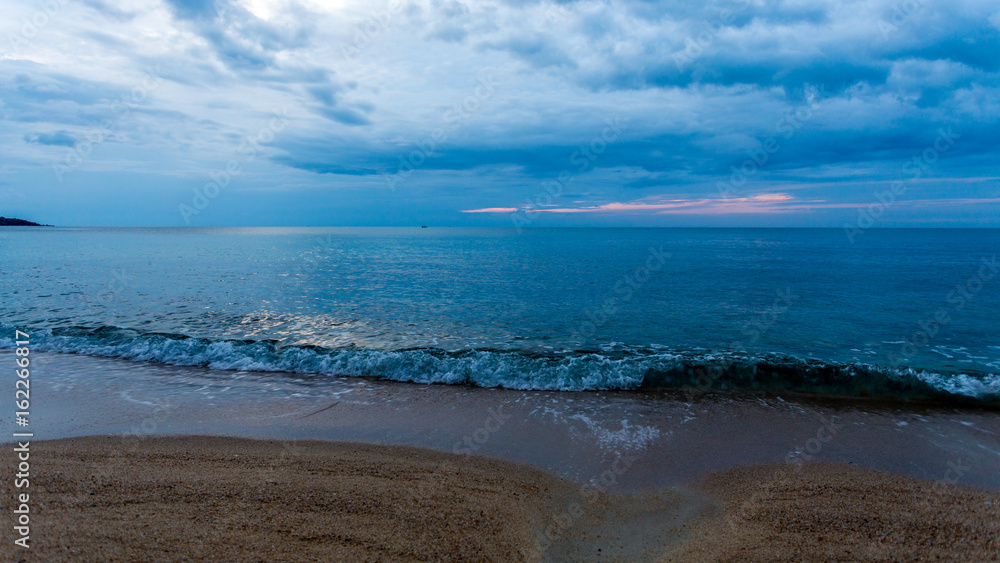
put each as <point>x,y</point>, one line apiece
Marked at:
<point>491,210</point>
<point>760,203</point>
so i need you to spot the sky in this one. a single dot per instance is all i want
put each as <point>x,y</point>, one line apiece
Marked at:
<point>853,114</point>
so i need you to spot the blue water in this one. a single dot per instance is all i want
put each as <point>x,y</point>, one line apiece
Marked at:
<point>804,310</point>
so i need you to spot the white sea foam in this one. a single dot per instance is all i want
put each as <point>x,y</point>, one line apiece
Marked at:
<point>964,384</point>
<point>628,437</point>
<point>490,368</point>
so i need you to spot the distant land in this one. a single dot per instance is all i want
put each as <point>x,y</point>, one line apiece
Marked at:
<point>5,222</point>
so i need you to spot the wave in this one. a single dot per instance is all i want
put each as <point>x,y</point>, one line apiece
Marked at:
<point>572,371</point>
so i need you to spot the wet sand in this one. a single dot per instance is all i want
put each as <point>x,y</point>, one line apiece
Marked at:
<point>671,439</point>
<point>226,499</point>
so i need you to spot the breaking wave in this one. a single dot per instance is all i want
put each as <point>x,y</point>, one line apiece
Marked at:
<point>634,369</point>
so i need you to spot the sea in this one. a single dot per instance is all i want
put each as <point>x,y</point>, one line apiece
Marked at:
<point>896,313</point>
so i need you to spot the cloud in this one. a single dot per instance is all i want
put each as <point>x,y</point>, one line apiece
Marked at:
<point>197,9</point>
<point>757,204</point>
<point>57,138</point>
<point>819,102</point>
<point>535,49</point>
<point>491,210</point>
<point>761,203</point>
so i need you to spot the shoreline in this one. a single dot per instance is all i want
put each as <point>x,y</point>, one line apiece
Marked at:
<point>674,439</point>
<point>226,498</point>
<point>641,370</point>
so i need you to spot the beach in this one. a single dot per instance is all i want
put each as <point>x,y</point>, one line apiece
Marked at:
<point>475,394</point>
<point>838,512</point>
<point>504,281</point>
<point>227,499</point>
<point>132,461</point>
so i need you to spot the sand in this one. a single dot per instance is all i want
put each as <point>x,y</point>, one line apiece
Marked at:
<point>228,499</point>
<point>835,512</point>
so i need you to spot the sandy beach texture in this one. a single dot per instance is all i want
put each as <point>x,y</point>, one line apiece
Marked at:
<point>227,499</point>
<point>835,512</point>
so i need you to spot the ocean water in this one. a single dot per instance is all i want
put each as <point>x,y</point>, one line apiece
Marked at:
<point>895,312</point>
